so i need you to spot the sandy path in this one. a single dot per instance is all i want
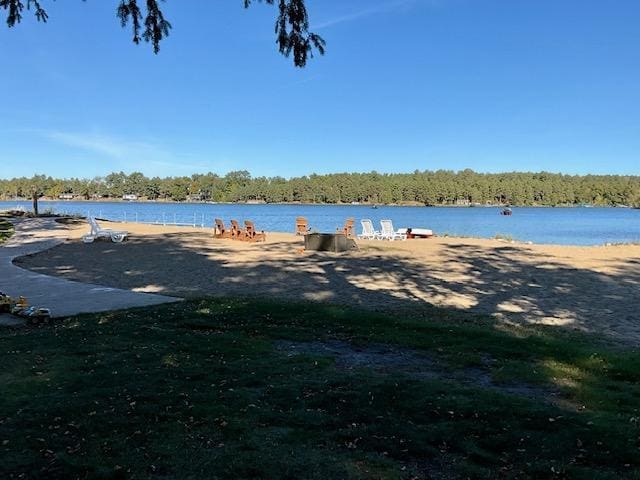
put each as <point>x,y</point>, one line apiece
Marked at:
<point>595,289</point>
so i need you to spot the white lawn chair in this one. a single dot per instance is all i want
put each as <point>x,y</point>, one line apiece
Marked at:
<point>388,233</point>
<point>98,232</point>
<point>368,233</point>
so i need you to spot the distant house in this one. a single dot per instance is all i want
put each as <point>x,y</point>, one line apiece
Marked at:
<point>66,196</point>
<point>463,202</point>
<point>130,197</point>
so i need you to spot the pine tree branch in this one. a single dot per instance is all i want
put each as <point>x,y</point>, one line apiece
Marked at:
<point>292,24</point>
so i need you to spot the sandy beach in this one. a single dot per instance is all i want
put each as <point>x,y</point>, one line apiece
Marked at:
<point>592,289</point>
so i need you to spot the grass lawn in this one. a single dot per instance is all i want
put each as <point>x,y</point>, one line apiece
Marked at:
<point>246,389</point>
<point>6,230</point>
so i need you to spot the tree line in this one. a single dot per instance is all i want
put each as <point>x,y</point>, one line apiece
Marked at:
<point>440,187</point>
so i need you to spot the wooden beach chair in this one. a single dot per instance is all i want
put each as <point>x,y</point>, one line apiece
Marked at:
<point>220,231</point>
<point>251,234</point>
<point>347,229</point>
<point>302,226</point>
<point>237,232</point>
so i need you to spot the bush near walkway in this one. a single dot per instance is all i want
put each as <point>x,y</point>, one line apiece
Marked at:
<point>244,389</point>
<point>6,230</point>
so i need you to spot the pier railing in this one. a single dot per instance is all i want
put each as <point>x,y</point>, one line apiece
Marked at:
<point>172,219</point>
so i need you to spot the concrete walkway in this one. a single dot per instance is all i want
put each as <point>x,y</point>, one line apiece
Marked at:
<point>63,297</point>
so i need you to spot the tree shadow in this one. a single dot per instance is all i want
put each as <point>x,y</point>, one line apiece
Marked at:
<point>32,235</point>
<point>497,281</point>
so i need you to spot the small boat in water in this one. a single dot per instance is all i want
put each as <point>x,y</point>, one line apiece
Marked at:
<point>506,211</point>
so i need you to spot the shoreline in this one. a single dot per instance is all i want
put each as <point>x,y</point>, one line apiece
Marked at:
<point>554,285</point>
<point>506,239</point>
<point>368,205</point>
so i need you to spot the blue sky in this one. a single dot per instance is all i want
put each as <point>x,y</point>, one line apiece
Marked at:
<point>492,85</point>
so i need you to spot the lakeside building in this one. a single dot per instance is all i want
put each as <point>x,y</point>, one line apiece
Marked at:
<point>195,197</point>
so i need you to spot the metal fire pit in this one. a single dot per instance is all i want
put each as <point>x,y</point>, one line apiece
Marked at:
<point>329,242</point>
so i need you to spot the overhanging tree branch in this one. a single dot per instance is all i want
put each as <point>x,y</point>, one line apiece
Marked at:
<point>292,24</point>
<point>292,30</point>
<point>15,7</point>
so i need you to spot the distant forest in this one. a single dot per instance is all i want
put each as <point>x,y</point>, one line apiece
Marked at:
<point>420,187</point>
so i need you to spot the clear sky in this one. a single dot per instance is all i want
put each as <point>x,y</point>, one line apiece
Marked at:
<point>492,85</point>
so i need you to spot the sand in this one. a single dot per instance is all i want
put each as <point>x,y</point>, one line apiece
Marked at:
<point>592,289</point>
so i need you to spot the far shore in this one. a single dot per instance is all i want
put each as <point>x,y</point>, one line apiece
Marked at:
<point>257,203</point>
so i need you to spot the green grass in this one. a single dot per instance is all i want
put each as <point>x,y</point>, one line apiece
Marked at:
<point>6,230</point>
<point>204,389</point>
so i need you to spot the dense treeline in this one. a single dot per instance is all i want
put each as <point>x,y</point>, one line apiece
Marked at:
<point>428,188</point>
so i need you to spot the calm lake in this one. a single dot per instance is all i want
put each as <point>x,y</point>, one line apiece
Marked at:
<point>564,226</point>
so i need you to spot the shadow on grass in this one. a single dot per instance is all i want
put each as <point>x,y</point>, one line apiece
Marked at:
<point>204,389</point>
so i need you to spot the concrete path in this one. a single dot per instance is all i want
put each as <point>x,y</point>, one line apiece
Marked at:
<point>62,297</point>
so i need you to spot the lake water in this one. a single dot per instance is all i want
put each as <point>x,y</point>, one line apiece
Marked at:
<point>564,226</point>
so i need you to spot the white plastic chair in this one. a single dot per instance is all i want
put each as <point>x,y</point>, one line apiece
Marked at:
<point>98,232</point>
<point>388,233</point>
<point>368,233</point>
